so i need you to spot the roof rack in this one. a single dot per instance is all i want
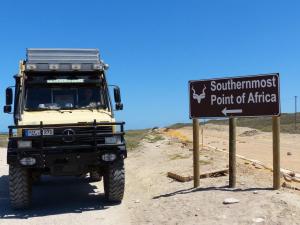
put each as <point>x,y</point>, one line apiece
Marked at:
<point>63,59</point>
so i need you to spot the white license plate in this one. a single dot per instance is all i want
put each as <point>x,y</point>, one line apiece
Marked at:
<point>31,133</point>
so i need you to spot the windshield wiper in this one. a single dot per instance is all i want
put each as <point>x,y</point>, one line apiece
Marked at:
<point>67,108</point>
<point>92,107</point>
<point>102,106</point>
<point>40,109</point>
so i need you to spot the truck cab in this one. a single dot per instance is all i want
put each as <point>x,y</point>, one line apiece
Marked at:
<point>64,123</point>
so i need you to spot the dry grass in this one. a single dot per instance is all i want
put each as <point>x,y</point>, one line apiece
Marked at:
<point>134,137</point>
<point>264,123</point>
<point>152,138</point>
<point>178,135</point>
<point>3,140</point>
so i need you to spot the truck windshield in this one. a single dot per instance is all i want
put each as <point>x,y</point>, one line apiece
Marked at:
<point>71,97</point>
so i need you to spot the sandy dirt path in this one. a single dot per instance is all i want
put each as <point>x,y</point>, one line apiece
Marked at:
<point>153,198</point>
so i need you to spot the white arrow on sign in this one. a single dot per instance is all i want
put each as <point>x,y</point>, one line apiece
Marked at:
<point>225,111</point>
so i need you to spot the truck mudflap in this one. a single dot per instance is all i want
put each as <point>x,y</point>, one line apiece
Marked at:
<point>67,145</point>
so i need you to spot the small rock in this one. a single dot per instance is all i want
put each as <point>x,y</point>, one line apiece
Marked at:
<point>257,166</point>
<point>258,220</point>
<point>283,202</point>
<point>137,201</point>
<point>255,192</point>
<point>230,201</point>
<point>289,153</point>
<point>249,133</point>
<point>292,174</point>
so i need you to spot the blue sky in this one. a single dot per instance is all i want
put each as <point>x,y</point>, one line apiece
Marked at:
<point>155,47</point>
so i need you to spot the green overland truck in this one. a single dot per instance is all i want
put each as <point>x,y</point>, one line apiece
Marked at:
<point>64,123</point>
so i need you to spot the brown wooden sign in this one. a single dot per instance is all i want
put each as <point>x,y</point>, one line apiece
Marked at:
<point>235,96</point>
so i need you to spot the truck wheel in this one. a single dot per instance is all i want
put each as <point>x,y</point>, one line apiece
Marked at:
<point>19,187</point>
<point>114,182</point>
<point>95,176</point>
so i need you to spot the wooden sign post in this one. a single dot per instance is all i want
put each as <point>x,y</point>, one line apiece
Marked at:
<point>196,152</point>
<point>232,152</point>
<point>276,152</point>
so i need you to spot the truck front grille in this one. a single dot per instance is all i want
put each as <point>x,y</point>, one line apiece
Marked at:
<point>89,139</point>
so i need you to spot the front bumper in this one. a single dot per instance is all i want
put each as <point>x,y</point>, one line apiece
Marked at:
<point>51,151</point>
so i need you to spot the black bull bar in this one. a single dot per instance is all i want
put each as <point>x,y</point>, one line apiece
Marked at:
<point>93,135</point>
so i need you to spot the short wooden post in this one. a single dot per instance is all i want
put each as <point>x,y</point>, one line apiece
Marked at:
<point>276,152</point>
<point>202,133</point>
<point>232,152</point>
<point>196,152</point>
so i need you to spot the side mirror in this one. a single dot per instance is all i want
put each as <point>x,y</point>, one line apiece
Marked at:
<point>7,109</point>
<point>9,96</point>
<point>119,106</point>
<point>117,95</point>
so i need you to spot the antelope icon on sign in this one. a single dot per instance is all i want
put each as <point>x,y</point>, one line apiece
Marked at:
<point>199,97</point>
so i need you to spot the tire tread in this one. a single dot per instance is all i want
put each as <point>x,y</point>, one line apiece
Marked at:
<point>114,182</point>
<point>19,187</point>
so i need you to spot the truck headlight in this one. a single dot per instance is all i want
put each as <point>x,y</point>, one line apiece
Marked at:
<point>24,144</point>
<point>31,66</point>
<point>113,140</point>
<point>108,157</point>
<point>28,161</point>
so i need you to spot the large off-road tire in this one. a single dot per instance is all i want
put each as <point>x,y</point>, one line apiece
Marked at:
<point>114,182</point>
<point>95,176</point>
<point>19,187</point>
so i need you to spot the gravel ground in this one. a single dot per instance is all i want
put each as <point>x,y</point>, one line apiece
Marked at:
<point>153,198</point>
